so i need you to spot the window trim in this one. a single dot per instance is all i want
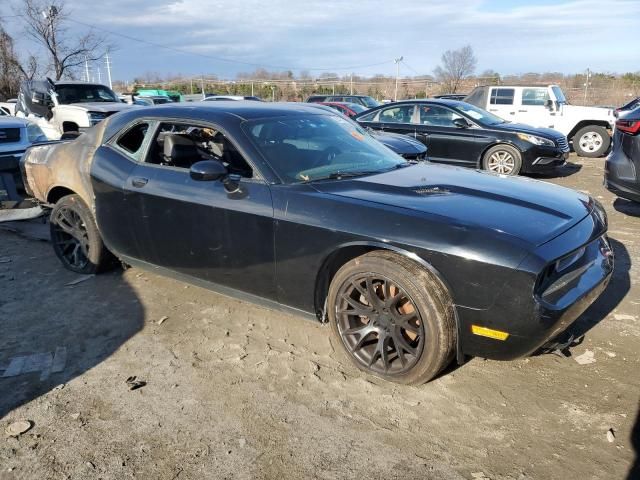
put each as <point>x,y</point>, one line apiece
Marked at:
<point>496,96</point>
<point>154,125</point>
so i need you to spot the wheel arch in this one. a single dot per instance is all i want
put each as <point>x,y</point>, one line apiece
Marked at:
<point>56,192</point>
<point>346,252</point>
<point>587,123</point>
<point>70,126</point>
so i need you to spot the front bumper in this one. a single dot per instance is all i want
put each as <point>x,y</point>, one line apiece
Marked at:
<point>533,319</point>
<point>540,158</point>
<point>10,163</point>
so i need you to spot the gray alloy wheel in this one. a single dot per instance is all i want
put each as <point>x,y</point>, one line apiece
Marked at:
<point>503,160</point>
<point>592,141</point>
<point>393,318</point>
<point>75,237</point>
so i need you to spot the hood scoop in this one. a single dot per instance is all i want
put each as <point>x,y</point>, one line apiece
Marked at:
<point>430,190</point>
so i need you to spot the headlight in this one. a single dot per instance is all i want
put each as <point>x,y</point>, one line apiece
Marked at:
<point>96,117</point>
<point>536,140</point>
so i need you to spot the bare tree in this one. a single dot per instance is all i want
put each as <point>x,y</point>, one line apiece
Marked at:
<point>456,66</point>
<point>46,22</point>
<point>11,68</point>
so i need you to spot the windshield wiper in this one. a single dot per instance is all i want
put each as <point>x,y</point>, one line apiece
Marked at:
<point>341,175</point>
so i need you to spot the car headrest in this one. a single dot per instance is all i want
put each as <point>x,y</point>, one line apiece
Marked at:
<point>180,151</point>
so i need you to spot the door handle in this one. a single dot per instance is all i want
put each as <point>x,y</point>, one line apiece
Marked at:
<point>139,182</point>
<point>512,113</point>
<point>523,111</point>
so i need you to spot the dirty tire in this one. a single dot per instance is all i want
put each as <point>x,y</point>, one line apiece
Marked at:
<point>502,159</point>
<point>75,237</point>
<point>421,294</point>
<point>591,141</point>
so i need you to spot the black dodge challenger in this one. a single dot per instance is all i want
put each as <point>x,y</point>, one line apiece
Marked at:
<point>411,264</point>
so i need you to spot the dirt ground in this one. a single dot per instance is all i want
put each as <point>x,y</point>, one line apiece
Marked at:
<point>237,391</point>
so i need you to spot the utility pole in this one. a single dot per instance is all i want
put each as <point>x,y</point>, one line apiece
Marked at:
<point>202,86</point>
<point>397,62</point>
<point>86,68</point>
<point>351,82</point>
<point>191,80</point>
<point>586,85</point>
<point>252,89</point>
<point>99,75</point>
<point>108,62</point>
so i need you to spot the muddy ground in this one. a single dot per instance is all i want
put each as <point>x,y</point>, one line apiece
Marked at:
<point>237,391</point>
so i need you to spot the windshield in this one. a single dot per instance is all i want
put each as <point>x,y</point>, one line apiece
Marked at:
<point>316,147</point>
<point>559,94</point>
<point>370,102</point>
<point>479,114</point>
<point>79,93</point>
<point>356,107</point>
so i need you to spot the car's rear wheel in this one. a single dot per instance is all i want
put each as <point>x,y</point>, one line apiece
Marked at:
<point>591,141</point>
<point>75,237</point>
<point>394,319</point>
<point>502,159</point>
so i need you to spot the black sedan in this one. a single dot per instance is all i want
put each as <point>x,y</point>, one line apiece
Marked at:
<point>462,134</point>
<point>622,170</point>
<point>411,264</point>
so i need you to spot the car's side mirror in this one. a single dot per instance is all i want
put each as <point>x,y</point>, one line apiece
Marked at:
<point>549,104</point>
<point>461,122</point>
<point>207,170</point>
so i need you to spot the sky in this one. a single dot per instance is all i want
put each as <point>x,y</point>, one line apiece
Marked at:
<point>223,37</point>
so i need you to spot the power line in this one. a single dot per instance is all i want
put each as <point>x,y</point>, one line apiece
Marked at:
<point>222,59</point>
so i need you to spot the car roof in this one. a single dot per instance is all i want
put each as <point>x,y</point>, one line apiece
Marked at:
<point>437,101</point>
<point>71,82</point>
<point>243,110</point>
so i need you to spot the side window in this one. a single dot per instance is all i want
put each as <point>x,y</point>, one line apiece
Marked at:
<point>398,114</point>
<point>133,139</point>
<point>535,96</point>
<point>436,116</point>
<point>180,145</point>
<point>369,117</point>
<point>502,96</point>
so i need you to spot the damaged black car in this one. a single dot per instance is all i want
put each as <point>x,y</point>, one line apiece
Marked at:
<point>297,208</point>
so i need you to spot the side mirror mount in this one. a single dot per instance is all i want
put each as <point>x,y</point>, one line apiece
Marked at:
<point>549,104</point>
<point>461,122</point>
<point>207,170</point>
<point>38,98</point>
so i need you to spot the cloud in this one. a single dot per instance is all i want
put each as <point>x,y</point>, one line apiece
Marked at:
<point>510,37</point>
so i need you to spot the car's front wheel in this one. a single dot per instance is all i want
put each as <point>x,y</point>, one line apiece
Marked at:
<point>502,159</point>
<point>591,141</point>
<point>393,317</point>
<point>76,239</point>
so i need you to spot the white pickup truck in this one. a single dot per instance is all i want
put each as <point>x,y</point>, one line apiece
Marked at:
<point>588,128</point>
<point>66,107</point>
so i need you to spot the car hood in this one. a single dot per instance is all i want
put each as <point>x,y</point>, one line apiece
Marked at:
<point>102,107</point>
<point>13,122</point>
<point>589,113</point>
<point>549,133</point>
<point>530,210</point>
<point>399,143</point>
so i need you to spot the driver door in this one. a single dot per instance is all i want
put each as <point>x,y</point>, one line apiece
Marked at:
<point>200,228</point>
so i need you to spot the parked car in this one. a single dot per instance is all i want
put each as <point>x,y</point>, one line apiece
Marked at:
<point>16,135</point>
<point>622,168</point>
<point>587,128</point>
<point>452,96</point>
<point>364,100</point>
<point>214,98</point>
<point>62,107</point>
<point>9,107</point>
<point>299,209</point>
<point>348,109</point>
<point>627,107</point>
<point>154,99</point>
<point>154,92</point>
<point>462,134</point>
